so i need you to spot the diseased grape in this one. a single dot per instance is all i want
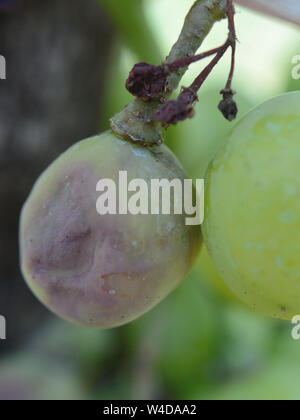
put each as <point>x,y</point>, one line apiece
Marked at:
<point>252,210</point>
<point>102,270</point>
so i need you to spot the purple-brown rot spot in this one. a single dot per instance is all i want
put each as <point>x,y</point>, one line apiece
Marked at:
<point>63,250</point>
<point>75,236</point>
<point>63,234</point>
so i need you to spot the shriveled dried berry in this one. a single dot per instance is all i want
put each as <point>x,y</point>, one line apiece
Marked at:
<point>177,110</point>
<point>228,106</point>
<point>146,81</point>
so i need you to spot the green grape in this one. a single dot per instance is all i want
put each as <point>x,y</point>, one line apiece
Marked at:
<point>208,274</point>
<point>103,270</point>
<point>252,210</point>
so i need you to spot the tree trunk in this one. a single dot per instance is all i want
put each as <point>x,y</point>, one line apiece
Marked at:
<point>55,53</point>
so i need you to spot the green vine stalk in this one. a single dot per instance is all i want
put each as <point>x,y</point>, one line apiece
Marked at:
<point>135,122</point>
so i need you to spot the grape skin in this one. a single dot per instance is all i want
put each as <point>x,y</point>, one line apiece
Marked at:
<point>252,210</point>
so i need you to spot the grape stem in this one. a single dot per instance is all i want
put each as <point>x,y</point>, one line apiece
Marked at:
<point>196,85</point>
<point>184,62</point>
<point>232,39</point>
<point>178,110</point>
<point>136,121</point>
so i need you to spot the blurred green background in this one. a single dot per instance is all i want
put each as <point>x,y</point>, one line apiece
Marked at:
<point>200,343</point>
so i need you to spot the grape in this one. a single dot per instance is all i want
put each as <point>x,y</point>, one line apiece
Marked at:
<point>208,274</point>
<point>252,210</point>
<point>102,270</point>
